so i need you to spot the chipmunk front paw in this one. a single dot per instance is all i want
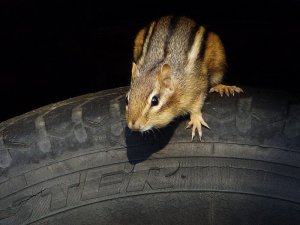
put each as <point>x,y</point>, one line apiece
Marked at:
<point>221,88</point>
<point>196,122</point>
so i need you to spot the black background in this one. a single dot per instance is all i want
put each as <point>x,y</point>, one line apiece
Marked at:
<point>53,50</point>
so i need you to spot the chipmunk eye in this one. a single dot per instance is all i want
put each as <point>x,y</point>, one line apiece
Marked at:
<point>154,101</point>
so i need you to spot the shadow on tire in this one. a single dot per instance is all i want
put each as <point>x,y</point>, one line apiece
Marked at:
<point>140,146</point>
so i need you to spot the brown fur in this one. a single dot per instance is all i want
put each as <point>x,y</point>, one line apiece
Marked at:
<point>138,44</point>
<point>214,59</point>
<point>172,42</point>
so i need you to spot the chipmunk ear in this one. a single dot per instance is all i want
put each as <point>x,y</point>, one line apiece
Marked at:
<point>134,71</point>
<point>164,77</point>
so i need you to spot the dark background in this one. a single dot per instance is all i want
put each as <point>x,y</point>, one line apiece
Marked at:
<point>53,50</point>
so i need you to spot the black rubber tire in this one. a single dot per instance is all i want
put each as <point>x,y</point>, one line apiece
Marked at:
<point>75,162</point>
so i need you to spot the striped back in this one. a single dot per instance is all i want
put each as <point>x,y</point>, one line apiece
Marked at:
<point>177,41</point>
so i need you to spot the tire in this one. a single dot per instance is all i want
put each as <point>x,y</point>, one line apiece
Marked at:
<point>75,162</point>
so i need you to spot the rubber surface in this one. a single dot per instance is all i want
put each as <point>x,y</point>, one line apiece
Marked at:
<point>75,162</point>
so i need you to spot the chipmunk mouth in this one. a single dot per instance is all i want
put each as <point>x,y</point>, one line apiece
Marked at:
<point>145,128</point>
<point>138,127</point>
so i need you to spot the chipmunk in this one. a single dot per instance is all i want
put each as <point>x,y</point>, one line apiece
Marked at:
<point>175,61</point>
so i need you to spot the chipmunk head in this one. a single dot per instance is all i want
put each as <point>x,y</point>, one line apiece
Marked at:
<point>149,99</point>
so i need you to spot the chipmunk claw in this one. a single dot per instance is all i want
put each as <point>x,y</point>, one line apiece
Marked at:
<point>221,88</point>
<point>196,123</point>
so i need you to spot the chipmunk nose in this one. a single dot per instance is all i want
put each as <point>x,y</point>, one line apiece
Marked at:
<point>134,125</point>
